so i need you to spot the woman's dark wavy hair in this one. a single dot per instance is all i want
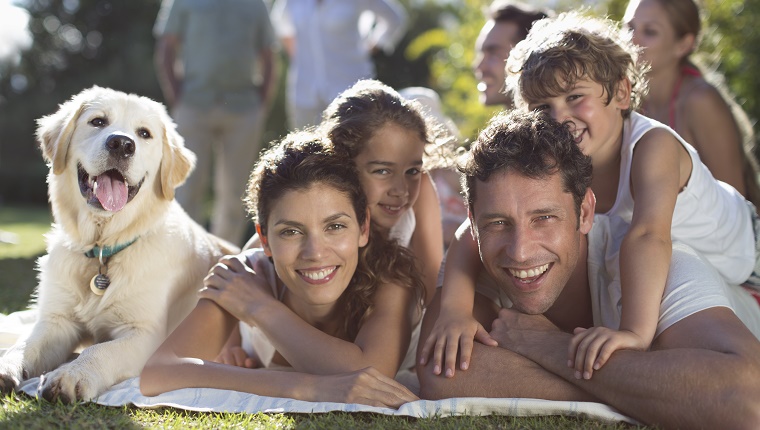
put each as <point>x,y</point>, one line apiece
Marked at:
<point>531,143</point>
<point>303,159</point>
<point>559,52</point>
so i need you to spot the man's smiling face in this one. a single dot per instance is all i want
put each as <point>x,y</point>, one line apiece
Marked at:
<point>528,235</point>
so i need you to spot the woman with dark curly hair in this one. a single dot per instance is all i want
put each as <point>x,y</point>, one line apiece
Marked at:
<point>325,297</point>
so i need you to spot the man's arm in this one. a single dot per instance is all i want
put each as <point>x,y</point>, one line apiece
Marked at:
<point>164,59</point>
<point>269,76</point>
<point>702,372</point>
<point>493,372</point>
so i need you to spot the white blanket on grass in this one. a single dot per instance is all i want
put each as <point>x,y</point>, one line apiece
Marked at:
<point>213,400</point>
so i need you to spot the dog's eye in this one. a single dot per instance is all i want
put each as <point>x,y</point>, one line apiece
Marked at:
<point>98,122</point>
<point>144,133</point>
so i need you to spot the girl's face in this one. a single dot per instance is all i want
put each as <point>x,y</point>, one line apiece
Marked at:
<point>390,169</point>
<point>314,239</point>
<point>653,31</point>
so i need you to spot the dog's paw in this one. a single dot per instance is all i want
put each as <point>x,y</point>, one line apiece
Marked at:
<point>8,383</point>
<point>11,375</point>
<point>69,383</point>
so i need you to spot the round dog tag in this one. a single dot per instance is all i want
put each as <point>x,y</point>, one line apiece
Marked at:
<point>99,283</point>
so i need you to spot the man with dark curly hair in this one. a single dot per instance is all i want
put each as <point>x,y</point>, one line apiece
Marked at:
<point>548,274</point>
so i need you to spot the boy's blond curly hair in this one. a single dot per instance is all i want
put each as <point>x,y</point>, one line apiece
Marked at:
<point>560,51</point>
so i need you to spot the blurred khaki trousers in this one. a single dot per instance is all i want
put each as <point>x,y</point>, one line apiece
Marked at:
<point>227,145</point>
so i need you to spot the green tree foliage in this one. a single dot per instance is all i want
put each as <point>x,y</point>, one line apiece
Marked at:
<point>401,69</point>
<point>452,65</point>
<point>732,38</point>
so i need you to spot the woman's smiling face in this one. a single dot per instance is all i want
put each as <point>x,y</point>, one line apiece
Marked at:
<point>313,237</point>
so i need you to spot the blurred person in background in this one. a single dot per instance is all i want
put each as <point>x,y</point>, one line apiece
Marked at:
<point>508,23</point>
<point>217,69</point>
<point>682,96</point>
<point>330,44</point>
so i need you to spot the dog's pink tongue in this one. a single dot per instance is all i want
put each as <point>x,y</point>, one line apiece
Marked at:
<point>111,192</point>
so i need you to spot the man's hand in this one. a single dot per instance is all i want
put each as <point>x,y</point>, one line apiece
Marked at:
<point>511,328</point>
<point>452,332</point>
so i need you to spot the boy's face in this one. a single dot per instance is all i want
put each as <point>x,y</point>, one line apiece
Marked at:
<point>597,125</point>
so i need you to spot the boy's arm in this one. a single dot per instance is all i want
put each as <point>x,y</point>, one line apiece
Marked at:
<point>456,328</point>
<point>660,168</point>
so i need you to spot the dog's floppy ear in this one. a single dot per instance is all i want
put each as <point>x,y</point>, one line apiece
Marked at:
<point>54,132</point>
<point>176,161</point>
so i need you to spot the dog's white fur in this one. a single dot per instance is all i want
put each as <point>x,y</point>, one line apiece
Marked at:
<point>153,281</point>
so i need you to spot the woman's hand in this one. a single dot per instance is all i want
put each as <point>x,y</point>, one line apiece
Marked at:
<point>237,288</point>
<point>366,386</point>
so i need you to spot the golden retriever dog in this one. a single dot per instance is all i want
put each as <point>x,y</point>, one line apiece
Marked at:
<point>124,261</point>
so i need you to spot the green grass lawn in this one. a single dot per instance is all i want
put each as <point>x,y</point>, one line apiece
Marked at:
<point>17,411</point>
<point>26,225</point>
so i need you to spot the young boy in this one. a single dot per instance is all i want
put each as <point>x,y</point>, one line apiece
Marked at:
<point>583,71</point>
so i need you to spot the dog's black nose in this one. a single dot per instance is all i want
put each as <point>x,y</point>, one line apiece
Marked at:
<point>121,146</point>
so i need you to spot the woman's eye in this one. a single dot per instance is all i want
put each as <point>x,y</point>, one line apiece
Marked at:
<point>382,172</point>
<point>144,133</point>
<point>413,171</point>
<point>336,226</point>
<point>98,122</point>
<point>289,232</point>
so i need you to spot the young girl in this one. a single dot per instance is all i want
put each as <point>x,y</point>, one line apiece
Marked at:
<point>681,96</point>
<point>386,136</point>
<point>582,71</point>
<point>326,298</point>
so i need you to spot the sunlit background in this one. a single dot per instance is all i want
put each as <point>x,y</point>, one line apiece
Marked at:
<point>52,49</point>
